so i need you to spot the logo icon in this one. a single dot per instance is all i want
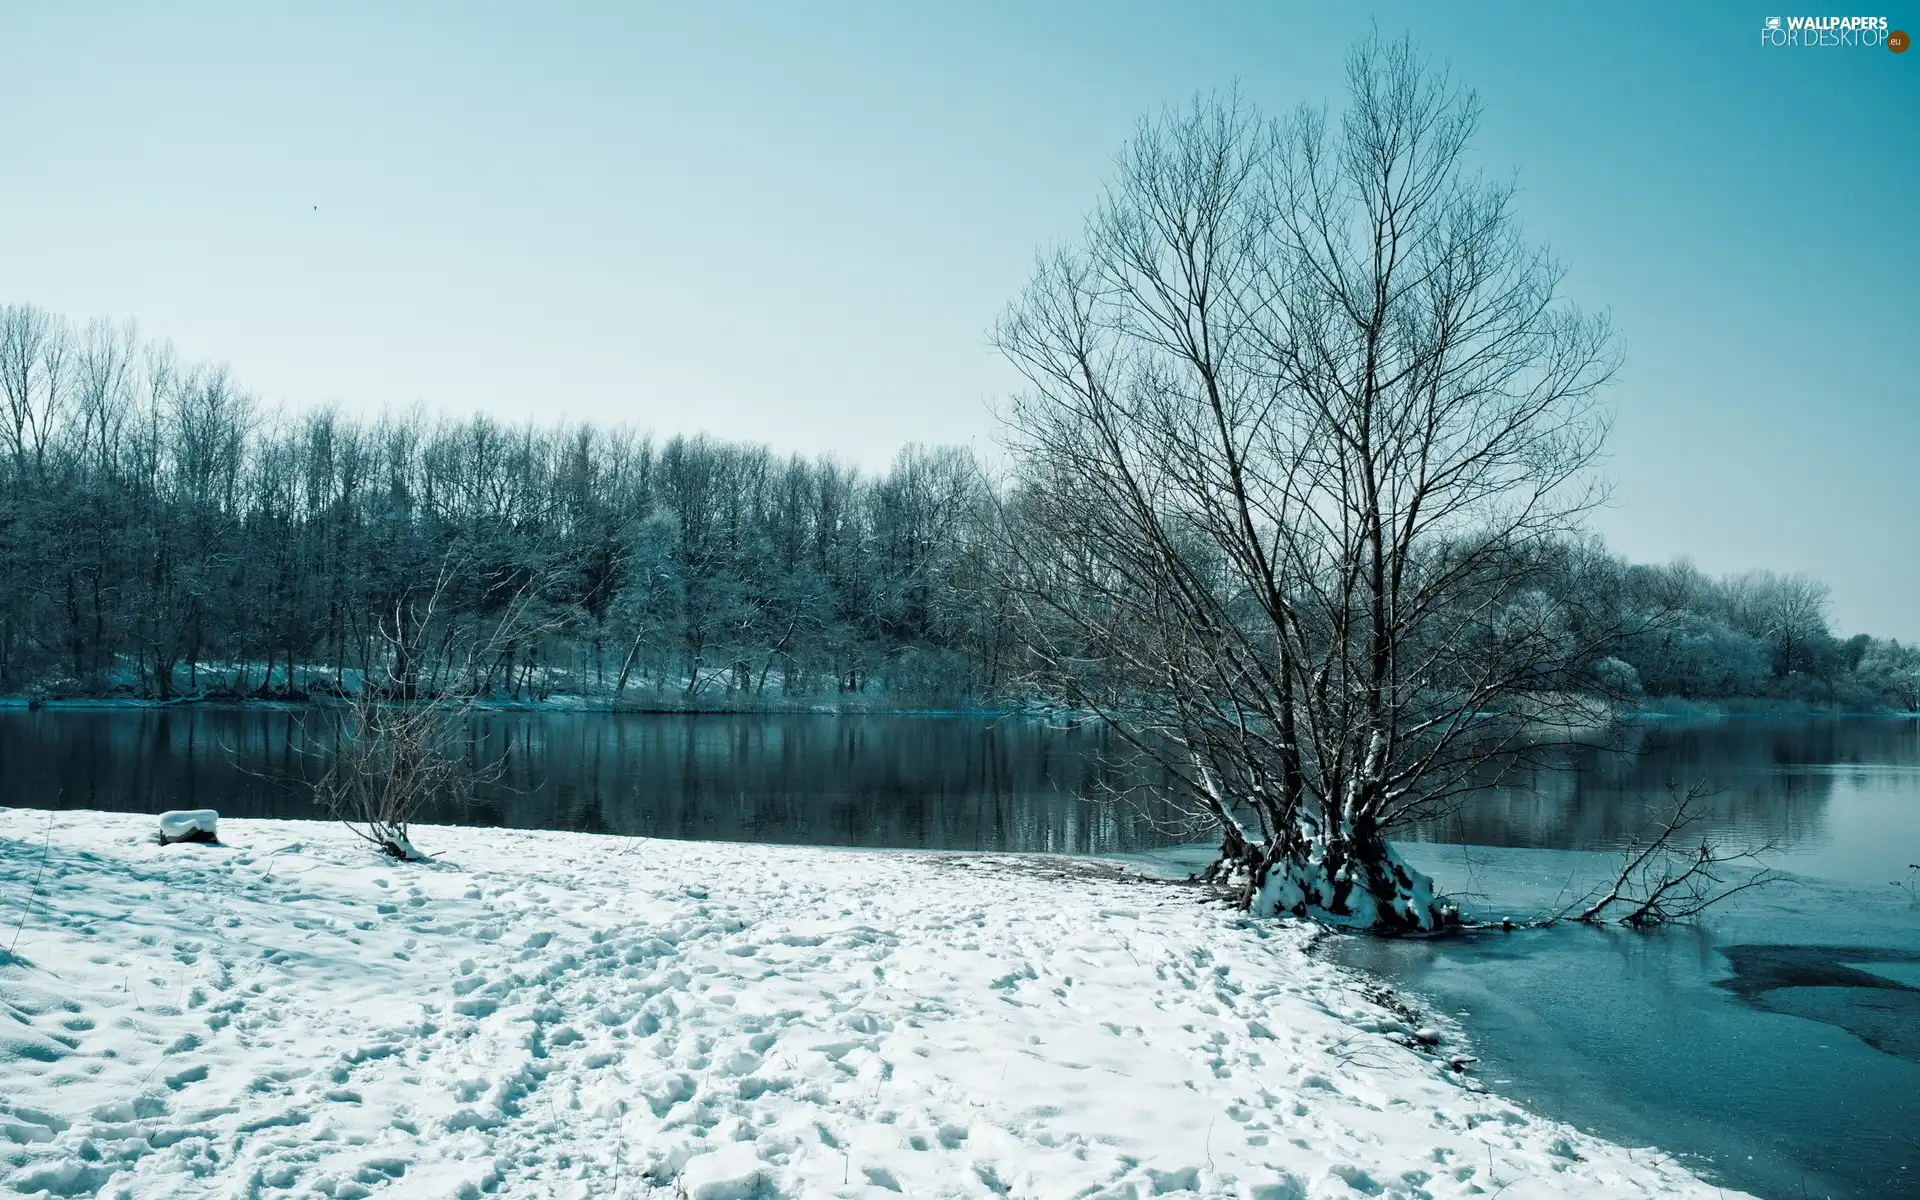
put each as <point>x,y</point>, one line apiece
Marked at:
<point>1897,41</point>
<point>1773,23</point>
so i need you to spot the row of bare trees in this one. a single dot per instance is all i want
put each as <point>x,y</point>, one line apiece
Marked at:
<point>163,534</point>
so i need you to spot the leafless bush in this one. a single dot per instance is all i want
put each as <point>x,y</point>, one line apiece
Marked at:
<point>398,745</point>
<point>390,759</point>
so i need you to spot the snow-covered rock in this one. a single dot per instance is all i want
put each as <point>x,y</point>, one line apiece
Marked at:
<point>187,824</point>
<point>541,1014</point>
<point>733,1172</point>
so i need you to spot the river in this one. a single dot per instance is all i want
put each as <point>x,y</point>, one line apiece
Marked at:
<point>938,782</point>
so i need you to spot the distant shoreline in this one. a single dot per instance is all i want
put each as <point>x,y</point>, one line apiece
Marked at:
<point>1669,708</point>
<point>1664,708</point>
<point>559,704</point>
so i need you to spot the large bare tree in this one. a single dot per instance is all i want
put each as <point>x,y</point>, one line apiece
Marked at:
<point>1306,424</point>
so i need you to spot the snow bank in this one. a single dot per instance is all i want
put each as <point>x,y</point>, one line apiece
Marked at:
<point>541,1014</point>
<point>181,824</point>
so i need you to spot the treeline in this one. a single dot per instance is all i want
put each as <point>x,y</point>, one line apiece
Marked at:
<point>1674,631</point>
<point>163,534</point>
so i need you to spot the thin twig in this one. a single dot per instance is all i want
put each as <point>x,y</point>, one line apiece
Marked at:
<point>34,894</point>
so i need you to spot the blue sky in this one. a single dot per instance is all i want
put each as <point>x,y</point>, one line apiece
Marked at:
<point>793,223</point>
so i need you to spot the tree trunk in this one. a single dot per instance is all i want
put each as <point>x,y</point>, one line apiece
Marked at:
<point>626,667</point>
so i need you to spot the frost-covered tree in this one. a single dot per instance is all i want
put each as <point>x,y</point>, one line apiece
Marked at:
<point>1788,612</point>
<point>162,534</point>
<point>1893,671</point>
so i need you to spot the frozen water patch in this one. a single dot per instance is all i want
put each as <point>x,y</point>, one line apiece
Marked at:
<point>1906,974</point>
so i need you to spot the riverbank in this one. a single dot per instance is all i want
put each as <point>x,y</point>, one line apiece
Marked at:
<point>1675,708</point>
<point>234,684</point>
<point>670,704</point>
<point>565,1014</point>
<point>564,703</point>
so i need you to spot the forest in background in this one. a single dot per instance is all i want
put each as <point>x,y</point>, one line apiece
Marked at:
<point>165,535</point>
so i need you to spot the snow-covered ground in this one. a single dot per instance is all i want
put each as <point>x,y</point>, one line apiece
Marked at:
<point>545,1014</point>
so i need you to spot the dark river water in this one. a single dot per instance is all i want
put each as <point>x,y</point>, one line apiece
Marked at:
<point>938,782</point>
<point>1774,1046</point>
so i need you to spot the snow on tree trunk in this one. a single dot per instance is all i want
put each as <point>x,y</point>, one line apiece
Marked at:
<point>1344,882</point>
<point>1378,891</point>
<point>392,840</point>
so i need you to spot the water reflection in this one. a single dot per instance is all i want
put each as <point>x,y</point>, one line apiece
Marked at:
<point>949,783</point>
<point>1805,784</point>
<point>1838,793</point>
<point>1692,1039</point>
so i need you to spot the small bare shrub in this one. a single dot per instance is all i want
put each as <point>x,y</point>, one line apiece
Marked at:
<point>403,740</point>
